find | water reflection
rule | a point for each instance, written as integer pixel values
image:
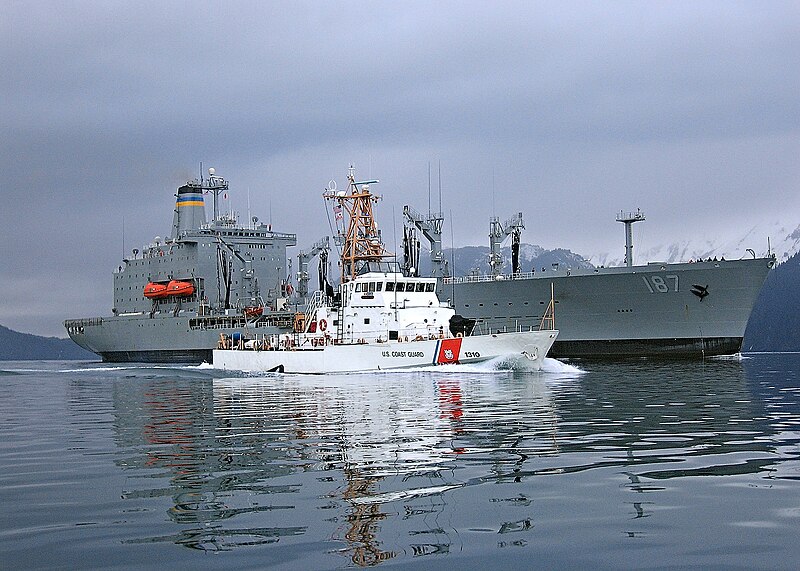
(380, 442)
(377, 467)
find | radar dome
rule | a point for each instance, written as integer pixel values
(212, 171)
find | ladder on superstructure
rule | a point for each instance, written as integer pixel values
(549, 318)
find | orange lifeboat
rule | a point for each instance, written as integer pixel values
(254, 311)
(155, 291)
(179, 289)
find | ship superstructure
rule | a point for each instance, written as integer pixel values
(173, 298)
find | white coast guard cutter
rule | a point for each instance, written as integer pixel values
(378, 319)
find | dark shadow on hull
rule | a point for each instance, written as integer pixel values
(594, 349)
(654, 348)
(185, 356)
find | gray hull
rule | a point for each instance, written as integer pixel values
(687, 309)
(608, 312)
(162, 338)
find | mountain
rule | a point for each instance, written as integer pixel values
(782, 238)
(468, 259)
(15, 346)
(779, 237)
(775, 322)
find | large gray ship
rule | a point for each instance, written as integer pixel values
(173, 299)
(696, 308)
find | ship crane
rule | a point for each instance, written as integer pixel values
(319, 247)
(431, 228)
(249, 280)
(498, 232)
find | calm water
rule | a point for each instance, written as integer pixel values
(628, 465)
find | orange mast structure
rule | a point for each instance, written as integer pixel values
(362, 240)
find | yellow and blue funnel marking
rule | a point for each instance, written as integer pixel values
(190, 199)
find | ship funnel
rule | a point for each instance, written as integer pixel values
(190, 212)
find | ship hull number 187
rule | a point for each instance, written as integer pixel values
(661, 284)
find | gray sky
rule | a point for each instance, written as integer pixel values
(568, 112)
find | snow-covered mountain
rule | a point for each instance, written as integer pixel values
(782, 238)
(467, 259)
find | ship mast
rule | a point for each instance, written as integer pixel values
(628, 220)
(362, 240)
(216, 185)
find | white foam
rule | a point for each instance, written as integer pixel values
(555, 366)
(404, 494)
(96, 369)
(143, 366)
(504, 363)
(735, 357)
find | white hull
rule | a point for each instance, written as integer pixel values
(532, 345)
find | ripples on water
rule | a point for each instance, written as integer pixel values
(639, 464)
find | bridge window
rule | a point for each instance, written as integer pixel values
(389, 286)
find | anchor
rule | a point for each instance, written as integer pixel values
(700, 291)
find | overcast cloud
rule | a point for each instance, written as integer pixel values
(567, 112)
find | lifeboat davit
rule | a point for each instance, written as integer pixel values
(179, 289)
(155, 291)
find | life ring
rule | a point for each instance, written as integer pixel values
(323, 325)
(459, 334)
